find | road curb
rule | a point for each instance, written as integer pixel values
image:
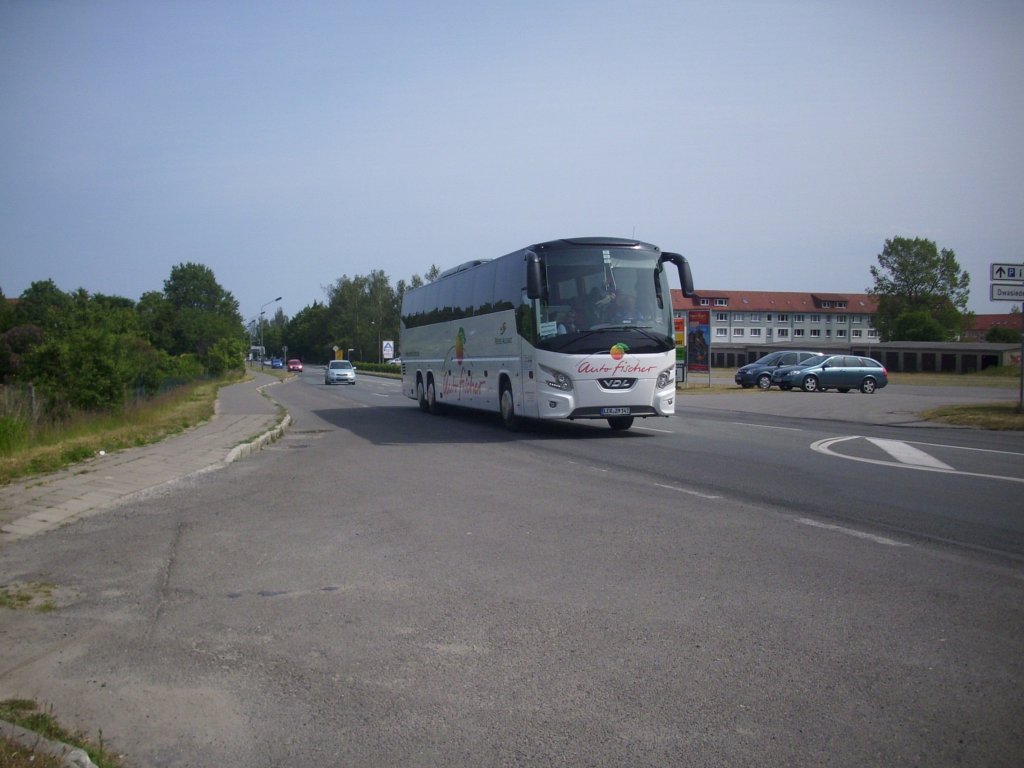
(70, 757)
(246, 449)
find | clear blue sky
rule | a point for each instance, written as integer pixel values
(285, 144)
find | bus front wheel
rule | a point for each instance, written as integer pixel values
(508, 409)
(620, 422)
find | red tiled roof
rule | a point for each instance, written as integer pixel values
(984, 323)
(777, 301)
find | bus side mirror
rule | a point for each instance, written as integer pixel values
(683, 267)
(534, 277)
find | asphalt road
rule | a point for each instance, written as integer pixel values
(385, 587)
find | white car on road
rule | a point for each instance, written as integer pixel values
(340, 370)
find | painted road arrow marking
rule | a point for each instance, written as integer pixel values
(905, 453)
(905, 456)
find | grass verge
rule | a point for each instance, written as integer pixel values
(27, 714)
(999, 416)
(86, 435)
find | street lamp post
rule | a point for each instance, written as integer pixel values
(263, 351)
(374, 323)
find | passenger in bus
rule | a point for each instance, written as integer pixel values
(578, 315)
(624, 309)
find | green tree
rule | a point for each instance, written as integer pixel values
(45, 305)
(913, 277)
(6, 313)
(203, 311)
(1000, 334)
(156, 319)
(307, 334)
(274, 333)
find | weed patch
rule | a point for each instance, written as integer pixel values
(33, 595)
(26, 713)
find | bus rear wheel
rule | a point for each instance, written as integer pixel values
(620, 422)
(508, 409)
(432, 405)
(421, 396)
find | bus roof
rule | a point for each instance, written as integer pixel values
(614, 242)
(568, 242)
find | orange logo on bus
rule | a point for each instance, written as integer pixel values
(618, 350)
(460, 346)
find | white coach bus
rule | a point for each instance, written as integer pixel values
(568, 329)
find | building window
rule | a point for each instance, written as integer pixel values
(755, 333)
(721, 317)
(798, 332)
(721, 302)
(755, 317)
(705, 302)
(840, 305)
(782, 318)
(872, 333)
(855, 319)
(724, 332)
(737, 331)
(826, 305)
(856, 333)
(840, 318)
(840, 333)
(815, 318)
(737, 317)
(815, 333)
(782, 333)
(798, 318)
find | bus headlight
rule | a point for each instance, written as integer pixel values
(666, 377)
(556, 379)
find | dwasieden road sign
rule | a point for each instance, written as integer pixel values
(1007, 273)
(1006, 292)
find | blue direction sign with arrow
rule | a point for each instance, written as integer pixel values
(1007, 273)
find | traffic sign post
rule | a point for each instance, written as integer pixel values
(1008, 285)
(1006, 273)
(1006, 292)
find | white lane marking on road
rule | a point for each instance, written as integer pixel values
(684, 490)
(588, 466)
(825, 447)
(908, 454)
(852, 532)
(654, 429)
(765, 426)
(967, 448)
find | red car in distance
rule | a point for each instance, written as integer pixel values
(295, 365)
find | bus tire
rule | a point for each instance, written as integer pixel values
(508, 408)
(620, 422)
(421, 395)
(433, 406)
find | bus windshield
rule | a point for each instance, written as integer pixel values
(594, 294)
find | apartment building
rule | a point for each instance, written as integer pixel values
(784, 318)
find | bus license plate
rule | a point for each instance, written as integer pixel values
(615, 411)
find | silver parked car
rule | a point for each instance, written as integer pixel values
(841, 372)
(340, 370)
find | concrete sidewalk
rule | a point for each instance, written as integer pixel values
(244, 420)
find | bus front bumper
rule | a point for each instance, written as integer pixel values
(562, 405)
